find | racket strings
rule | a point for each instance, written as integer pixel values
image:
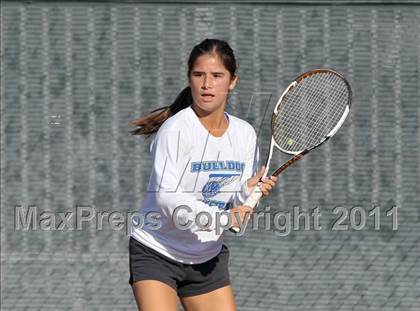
(320, 110)
(309, 111)
(306, 124)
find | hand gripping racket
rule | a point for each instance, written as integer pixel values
(308, 113)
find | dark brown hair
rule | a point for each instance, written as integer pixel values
(151, 122)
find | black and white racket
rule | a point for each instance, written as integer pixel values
(308, 113)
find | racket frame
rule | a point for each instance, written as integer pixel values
(256, 193)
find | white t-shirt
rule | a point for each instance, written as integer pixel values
(194, 172)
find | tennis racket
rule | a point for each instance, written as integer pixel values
(308, 113)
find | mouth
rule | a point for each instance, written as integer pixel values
(207, 96)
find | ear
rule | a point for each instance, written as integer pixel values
(233, 82)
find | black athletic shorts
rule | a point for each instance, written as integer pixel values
(187, 280)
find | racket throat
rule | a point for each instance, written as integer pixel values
(296, 158)
(268, 161)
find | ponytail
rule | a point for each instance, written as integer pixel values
(151, 122)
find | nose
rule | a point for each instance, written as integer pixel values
(206, 83)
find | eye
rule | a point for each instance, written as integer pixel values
(197, 74)
(218, 75)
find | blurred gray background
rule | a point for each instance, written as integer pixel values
(73, 74)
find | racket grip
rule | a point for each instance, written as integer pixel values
(251, 201)
(254, 197)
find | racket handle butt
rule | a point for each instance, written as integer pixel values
(235, 230)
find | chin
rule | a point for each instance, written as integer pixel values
(209, 107)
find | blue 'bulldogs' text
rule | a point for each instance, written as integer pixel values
(217, 166)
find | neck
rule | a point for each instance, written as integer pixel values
(215, 122)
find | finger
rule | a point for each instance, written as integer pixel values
(247, 210)
(244, 214)
(266, 186)
(265, 192)
(268, 181)
(270, 178)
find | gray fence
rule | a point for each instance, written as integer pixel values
(73, 74)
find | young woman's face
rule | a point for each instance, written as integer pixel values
(210, 83)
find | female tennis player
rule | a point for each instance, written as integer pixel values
(204, 166)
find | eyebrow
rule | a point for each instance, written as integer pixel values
(213, 72)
